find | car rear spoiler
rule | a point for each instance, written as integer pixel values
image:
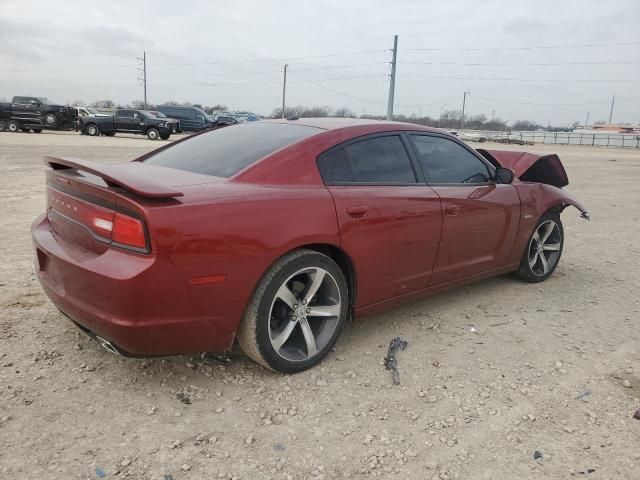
(530, 167)
(132, 176)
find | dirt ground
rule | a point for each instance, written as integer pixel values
(493, 372)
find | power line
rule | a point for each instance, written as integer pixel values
(516, 102)
(270, 60)
(536, 47)
(338, 92)
(478, 64)
(503, 79)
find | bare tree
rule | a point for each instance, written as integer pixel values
(103, 104)
(343, 112)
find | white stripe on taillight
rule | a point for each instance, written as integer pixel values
(103, 224)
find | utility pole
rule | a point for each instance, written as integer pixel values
(493, 116)
(464, 101)
(613, 101)
(143, 71)
(284, 88)
(392, 83)
(586, 122)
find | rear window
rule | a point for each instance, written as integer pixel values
(226, 151)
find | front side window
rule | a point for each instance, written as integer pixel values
(444, 161)
(380, 160)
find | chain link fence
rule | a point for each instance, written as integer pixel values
(619, 140)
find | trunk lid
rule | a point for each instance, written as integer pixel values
(87, 200)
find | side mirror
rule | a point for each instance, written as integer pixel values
(504, 175)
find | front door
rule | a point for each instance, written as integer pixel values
(480, 217)
(389, 223)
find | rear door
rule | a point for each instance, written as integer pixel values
(389, 221)
(480, 217)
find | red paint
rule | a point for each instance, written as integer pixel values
(208, 279)
(210, 239)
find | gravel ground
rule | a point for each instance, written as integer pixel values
(493, 372)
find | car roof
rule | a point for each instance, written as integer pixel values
(334, 123)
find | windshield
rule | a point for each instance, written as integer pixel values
(92, 111)
(226, 151)
(153, 113)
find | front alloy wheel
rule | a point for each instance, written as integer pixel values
(296, 313)
(543, 251)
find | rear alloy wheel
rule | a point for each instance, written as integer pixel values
(13, 126)
(153, 134)
(543, 251)
(296, 313)
(92, 130)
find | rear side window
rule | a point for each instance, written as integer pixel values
(226, 151)
(444, 161)
(377, 160)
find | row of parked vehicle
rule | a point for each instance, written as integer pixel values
(38, 113)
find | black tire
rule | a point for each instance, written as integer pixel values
(92, 130)
(165, 136)
(532, 267)
(254, 332)
(13, 126)
(51, 120)
(25, 129)
(37, 130)
(110, 134)
(3, 126)
(153, 134)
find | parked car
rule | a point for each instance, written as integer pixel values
(223, 119)
(276, 233)
(192, 119)
(140, 122)
(36, 114)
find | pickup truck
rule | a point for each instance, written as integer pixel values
(140, 122)
(35, 113)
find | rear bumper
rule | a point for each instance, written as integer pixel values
(143, 304)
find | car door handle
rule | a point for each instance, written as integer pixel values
(452, 209)
(357, 210)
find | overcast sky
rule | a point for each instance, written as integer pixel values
(232, 52)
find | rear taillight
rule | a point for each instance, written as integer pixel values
(128, 231)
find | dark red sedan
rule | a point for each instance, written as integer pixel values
(276, 233)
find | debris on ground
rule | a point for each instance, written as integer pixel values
(100, 473)
(537, 455)
(391, 362)
(637, 414)
(184, 398)
(218, 357)
(585, 392)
